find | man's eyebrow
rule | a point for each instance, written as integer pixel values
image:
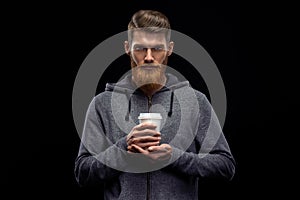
(149, 46)
(139, 45)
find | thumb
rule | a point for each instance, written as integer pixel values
(150, 148)
(153, 148)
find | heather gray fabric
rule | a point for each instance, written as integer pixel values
(200, 149)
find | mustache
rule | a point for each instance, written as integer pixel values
(151, 65)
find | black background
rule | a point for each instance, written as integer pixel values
(45, 44)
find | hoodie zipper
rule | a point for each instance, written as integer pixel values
(148, 173)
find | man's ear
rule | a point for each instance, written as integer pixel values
(170, 49)
(127, 47)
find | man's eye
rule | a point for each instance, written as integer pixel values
(139, 48)
(158, 48)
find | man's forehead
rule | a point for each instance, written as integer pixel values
(148, 37)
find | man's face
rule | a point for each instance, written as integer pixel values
(149, 56)
(148, 48)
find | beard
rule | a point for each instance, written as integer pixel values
(149, 77)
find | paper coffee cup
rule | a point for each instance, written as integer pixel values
(154, 118)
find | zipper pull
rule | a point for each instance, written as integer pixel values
(149, 102)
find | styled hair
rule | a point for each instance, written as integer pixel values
(149, 20)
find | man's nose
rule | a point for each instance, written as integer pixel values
(149, 56)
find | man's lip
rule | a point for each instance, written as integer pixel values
(149, 66)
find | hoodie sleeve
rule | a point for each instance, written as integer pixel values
(96, 151)
(214, 158)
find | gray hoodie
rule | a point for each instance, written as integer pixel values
(189, 125)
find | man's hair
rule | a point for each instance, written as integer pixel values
(149, 20)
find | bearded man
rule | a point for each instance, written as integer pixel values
(133, 160)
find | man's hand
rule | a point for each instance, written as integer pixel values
(155, 153)
(143, 136)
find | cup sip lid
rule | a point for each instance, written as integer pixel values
(150, 116)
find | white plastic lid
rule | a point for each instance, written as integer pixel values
(150, 116)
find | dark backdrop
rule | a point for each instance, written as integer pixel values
(46, 44)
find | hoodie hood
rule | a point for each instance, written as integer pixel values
(127, 87)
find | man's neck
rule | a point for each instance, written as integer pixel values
(148, 92)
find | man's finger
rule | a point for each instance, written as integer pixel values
(139, 149)
(157, 149)
(146, 139)
(145, 125)
(146, 132)
(147, 144)
(139, 141)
